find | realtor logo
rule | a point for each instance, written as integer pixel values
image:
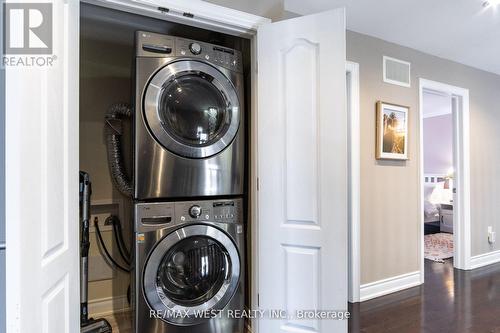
(27, 28)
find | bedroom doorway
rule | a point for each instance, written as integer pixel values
(444, 174)
(438, 176)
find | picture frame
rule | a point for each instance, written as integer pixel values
(392, 131)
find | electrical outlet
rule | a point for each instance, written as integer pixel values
(108, 221)
(491, 235)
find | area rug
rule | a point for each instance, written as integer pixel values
(438, 246)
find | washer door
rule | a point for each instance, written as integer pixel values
(192, 109)
(193, 269)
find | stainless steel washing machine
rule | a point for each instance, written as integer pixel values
(189, 267)
(189, 119)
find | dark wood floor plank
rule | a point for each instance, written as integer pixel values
(450, 301)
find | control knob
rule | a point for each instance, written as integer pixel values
(195, 211)
(195, 48)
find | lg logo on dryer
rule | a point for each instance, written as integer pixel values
(28, 28)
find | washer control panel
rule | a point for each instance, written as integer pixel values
(228, 211)
(159, 215)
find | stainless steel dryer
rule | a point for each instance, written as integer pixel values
(189, 257)
(189, 121)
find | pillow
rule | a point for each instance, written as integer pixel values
(428, 191)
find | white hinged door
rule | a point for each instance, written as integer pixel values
(302, 169)
(42, 176)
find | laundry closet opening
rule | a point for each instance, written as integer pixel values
(217, 96)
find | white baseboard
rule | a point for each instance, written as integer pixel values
(485, 259)
(109, 305)
(389, 285)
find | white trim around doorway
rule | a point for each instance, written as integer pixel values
(461, 215)
(352, 79)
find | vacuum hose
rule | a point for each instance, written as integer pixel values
(114, 130)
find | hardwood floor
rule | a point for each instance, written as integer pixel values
(450, 301)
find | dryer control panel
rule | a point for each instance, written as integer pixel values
(151, 44)
(218, 55)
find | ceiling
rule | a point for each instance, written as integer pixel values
(459, 30)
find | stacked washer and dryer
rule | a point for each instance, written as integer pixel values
(189, 167)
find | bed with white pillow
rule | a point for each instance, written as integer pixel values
(432, 184)
(435, 195)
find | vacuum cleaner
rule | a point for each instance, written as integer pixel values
(87, 325)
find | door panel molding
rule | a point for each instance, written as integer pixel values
(300, 100)
(302, 167)
(42, 181)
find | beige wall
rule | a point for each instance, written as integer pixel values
(390, 227)
(389, 190)
(104, 79)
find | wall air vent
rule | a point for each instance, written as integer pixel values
(397, 72)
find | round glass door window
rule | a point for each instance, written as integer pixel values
(193, 271)
(192, 109)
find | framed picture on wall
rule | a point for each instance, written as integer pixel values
(392, 131)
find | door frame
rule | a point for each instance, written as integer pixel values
(461, 146)
(354, 155)
(194, 13)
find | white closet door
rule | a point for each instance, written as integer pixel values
(42, 182)
(302, 157)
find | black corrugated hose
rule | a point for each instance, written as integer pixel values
(114, 131)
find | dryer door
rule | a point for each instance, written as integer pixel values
(192, 109)
(193, 269)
